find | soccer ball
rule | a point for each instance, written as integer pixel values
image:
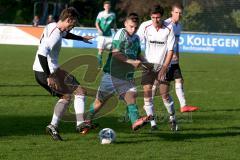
(107, 136)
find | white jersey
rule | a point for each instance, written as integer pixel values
(50, 45)
(157, 42)
(177, 32)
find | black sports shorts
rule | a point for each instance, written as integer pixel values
(67, 83)
(174, 72)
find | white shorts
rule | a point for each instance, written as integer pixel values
(110, 85)
(104, 42)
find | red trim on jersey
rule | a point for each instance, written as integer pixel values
(147, 27)
(52, 31)
(154, 27)
(167, 27)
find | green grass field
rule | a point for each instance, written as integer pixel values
(211, 82)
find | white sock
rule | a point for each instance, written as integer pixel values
(79, 104)
(169, 104)
(55, 120)
(172, 117)
(148, 107)
(59, 110)
(180, 94)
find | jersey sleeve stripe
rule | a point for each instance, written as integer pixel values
(167, 27)
(120, 34)
(147, 27)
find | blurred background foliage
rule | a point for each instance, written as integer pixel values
(199, 15)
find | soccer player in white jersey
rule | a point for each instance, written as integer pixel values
(174, 73)
(159, 42)
(49, 75)
(124, 57)
(104, 22)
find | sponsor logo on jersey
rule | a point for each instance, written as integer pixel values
(157, 42)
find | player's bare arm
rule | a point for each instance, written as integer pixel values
(123, 58)
(144, 63)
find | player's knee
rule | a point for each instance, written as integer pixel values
(168, 99)
(164, 90)
(130, 98)
(165, 95)
(147, 92)
(64, 101)
(80, 91)
(66, 97)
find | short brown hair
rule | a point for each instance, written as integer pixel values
(133, 17)
(177, 5)
(157, 9)
(107, 2)
(70, 13)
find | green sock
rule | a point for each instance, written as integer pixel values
(133, 112)
(91, 113)
(99, 57)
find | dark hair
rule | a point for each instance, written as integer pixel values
(133, 17)
(70, 13)
(177, 5)
(157, 9)
(107, 2)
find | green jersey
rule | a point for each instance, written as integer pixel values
(128, 46)
(105, 21)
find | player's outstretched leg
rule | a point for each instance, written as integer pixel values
(137, 121)
(59, 110)
(53, 131)
(140, 122)
(79, 105)
(87, 125)
(148, 107)
(84, 127)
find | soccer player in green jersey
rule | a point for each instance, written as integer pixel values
(118, 74)
(104, 22)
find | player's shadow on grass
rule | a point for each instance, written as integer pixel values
(222, 110)
(194, 133)
(132, 141)
(208, 118)
(23, 125)
(35, 125)
(188, 137)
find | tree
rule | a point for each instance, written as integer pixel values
(141, 7)
(190, 19)
(236, 17)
